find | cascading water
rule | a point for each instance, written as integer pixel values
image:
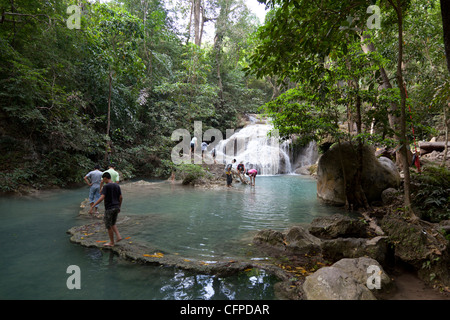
(253, 146)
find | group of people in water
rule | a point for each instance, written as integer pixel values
(104, 186)
(228, 169)
(240, 171)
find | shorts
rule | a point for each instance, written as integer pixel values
(110, 217)
(94, 194)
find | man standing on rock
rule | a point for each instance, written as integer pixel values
(112, 195)
(93, 179)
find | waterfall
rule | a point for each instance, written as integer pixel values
(256, 149)
(306, 156)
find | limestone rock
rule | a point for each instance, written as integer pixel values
(420, 244)
(377, 174)
(348, 279)
(270, 238)
(299, 240)
(359, 270)
(340, 248)
(337, 225)
(332, 283)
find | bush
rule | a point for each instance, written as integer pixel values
(190, 173)
(431, 193)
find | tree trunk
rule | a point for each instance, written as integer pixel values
(446, 123)
(197, 12)
(108, 123)
(445, 11)
(427, 147)
(401, 84)
(190, 22)
(385, 84)
(221, 24)
(360, 200)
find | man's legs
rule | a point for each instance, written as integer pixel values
(91, 198)
(116, 231)
(110, 223)
(96, 197)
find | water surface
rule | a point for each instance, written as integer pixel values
(36, 250)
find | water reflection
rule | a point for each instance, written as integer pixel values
(253, 285)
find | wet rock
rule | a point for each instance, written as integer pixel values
(270, 238)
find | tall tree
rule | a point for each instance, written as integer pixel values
(445, 11)
(113, 33)
(398, 8)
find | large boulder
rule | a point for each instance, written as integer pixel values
(331, 283)
(421, 245)
(296, 240)
(270, 238)
(346, 237)
(377, 174)
(336, 226)
(335, 249)
(299, 240)
(348, 279)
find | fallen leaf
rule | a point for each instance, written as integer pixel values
(156, 255)
(101, 241)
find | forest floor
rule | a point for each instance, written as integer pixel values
(410, 287)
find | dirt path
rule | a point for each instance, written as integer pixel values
(410, 287)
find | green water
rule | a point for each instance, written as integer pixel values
(213, 224)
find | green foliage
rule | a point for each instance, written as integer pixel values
(189, 173)
(54, 88)
(431, 193)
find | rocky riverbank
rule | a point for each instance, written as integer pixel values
(334, 257)
(344, 248)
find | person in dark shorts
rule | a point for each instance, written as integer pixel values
(112, 195)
